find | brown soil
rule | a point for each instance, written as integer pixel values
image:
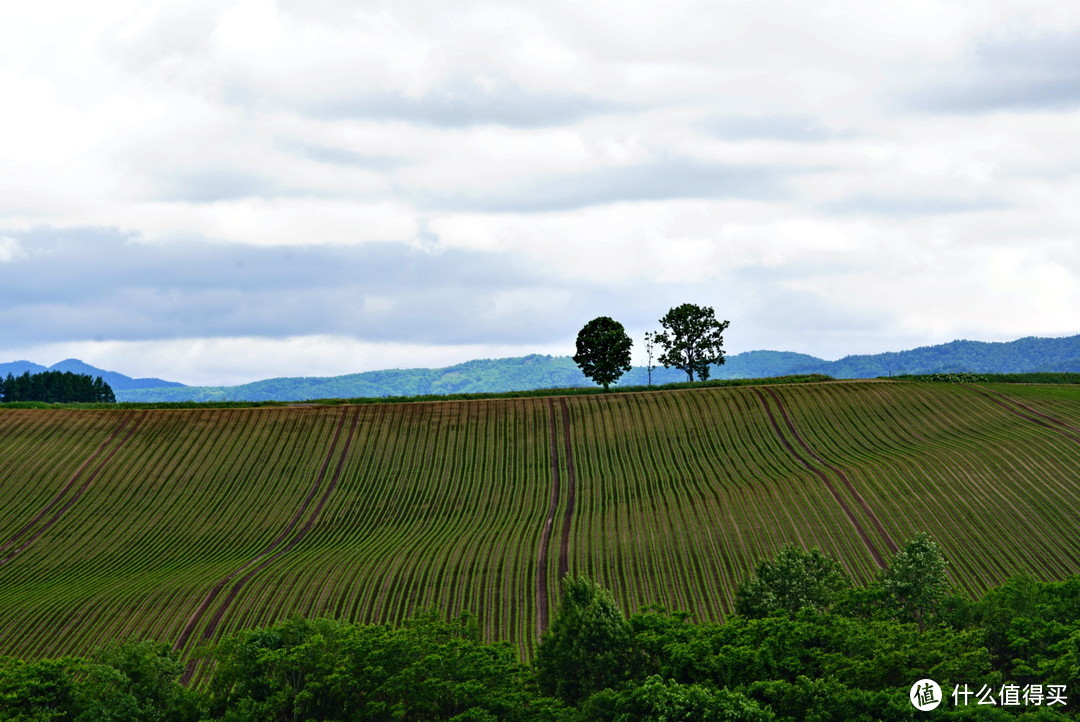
(545, 534)
(571, 484)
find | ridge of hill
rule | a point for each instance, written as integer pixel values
(117, 381)
(536, 371)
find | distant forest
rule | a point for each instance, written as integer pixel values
(1028, 355)
(53, 387)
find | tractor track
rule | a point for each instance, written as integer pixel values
(839, 472)
(67, 487)
(571, 486)
(819, 473)
(1032, 415)
(545, 533)
(271, 553)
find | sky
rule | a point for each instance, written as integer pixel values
(219, 192)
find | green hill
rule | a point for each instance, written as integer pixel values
(185, 525)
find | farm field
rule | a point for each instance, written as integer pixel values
(186, 525)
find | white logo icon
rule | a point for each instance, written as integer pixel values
(925, 695)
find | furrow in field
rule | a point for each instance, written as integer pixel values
(67, 487)
(843, 477)
(977, 481)
(215, 620)
(75, 497)
(197, 615)
(545, 534)
(825, 479)
(303, 531)
(571, 485)
(1029, 413)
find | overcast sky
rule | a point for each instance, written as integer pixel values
(217, 192)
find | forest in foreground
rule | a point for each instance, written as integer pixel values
(806, 644)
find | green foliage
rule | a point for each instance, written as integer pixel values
(956, 378)
(826, 700)
(35, 691)
(650, 352)
(653, 630)
(795, 580)
(50, 387)
(654, 666)
(603, 350)
(866, 654)
(135, 682)
(1019, 378)
(915, 582)
(128, 682)
(1032, 629)
(692, 339)
(658, 701)
(587, 647)
(322, 669)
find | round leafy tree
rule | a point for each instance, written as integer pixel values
(587, 647)
(795, 580)
(916, 581)
(603, 350)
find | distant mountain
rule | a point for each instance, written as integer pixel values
(538, 371)
(117, 381)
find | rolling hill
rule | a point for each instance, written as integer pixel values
(185, 525)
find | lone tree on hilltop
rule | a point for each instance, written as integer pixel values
(692, 339)
(603, 350)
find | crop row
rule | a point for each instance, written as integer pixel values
(372, 512)
(998, 491)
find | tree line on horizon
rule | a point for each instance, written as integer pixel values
(692, 339)
(56, 387)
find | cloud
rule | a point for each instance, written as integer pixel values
(794, 128)
(11, 250)
(227, 361)
(676, 178)
(494, 174)
(84, 283)
(1027, 73)
(469, 102)
(908, 206)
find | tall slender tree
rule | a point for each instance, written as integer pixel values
(650, 348)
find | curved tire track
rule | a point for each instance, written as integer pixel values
(268, 555)
(571, 485)
(824, 478)
(545, 533)
(67, 487)
(843, 477)
(1032, 415)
